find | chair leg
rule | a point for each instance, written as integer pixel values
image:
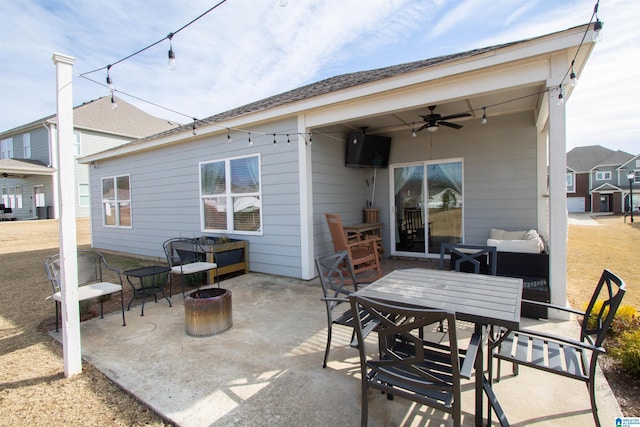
(122, 306)
(101, 309)
(57, 314)
(591, 385)
(326, 352)
(364, 415)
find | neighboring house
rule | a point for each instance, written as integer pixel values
(282, 159)
(597, 180)
(29, 155)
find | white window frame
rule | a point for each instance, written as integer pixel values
(84, 199)
(569, 178)
(26, 145)
(229, 196)
(18, 196)
(603, 176)
(116, 201)
(6, 148)
(77, 144)
(39, 196)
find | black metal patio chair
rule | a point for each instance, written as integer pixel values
(185, 257)
(572, 358)
(408, 366)
(331, 271)
(91, 281)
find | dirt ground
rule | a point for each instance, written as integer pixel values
(34, 391)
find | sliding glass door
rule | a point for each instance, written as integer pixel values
(428, 206)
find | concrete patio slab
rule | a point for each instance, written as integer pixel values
(267, 369)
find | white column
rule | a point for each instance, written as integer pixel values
(66, 196)
(306, 201)
(558, 228)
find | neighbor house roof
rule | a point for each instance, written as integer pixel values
(583, 159)
(20, 167)
(97, 115)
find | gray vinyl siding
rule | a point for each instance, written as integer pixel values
(499, 170)
(39, 145)
(165, 197)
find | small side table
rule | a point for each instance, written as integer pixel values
(152, 288)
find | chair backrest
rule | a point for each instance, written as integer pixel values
(401, 349)
(331, 271)
(90, 268)
(599, 313)
(413, 219)
(182, 250)
(470, 258)
(336, 229)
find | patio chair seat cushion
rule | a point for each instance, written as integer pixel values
(195, 267)
(93, 290)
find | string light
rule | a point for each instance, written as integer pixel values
(597, 26)
(114, 104)
(274, 139)
(413, 131)
(560, 95)
(172, 54)
(484, 115)
(194, 126)
(250, 142)
(288, 140)
(228, 137)
(109, 81)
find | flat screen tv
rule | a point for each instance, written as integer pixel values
(367, 151)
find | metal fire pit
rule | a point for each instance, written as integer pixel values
(207, 312)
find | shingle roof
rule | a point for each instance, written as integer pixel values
(333, 84)
(583, 159)
(126, 120)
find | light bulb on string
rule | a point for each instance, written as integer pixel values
(484, 115)
(574, 79)
(228, 137)
(288, 140)
(561, 96)
(274, 139)
(172, 54)
(413, 131)
(109, 81)
(250, 141)
(310, 138)
(597, 30)
(114, 104)
(194, 127)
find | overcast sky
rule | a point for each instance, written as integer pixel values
(246, 50)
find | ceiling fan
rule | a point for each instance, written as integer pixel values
(434, 120)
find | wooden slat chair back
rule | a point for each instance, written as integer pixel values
(407, 366)
(569, 357)
(362, 253)
(91, 281)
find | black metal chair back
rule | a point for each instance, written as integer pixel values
(408, 366)
(470, 258)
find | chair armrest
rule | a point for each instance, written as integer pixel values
(115, 270)
(570, 341)
(554, 306)
(470, 356)
(334, 299)
(364, 243)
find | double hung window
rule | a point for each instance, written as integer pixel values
(230, 195)
(116, 201)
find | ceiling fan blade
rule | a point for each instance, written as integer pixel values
(451, 125)
(422, 127)
(455, 116)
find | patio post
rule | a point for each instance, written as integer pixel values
(68, 243)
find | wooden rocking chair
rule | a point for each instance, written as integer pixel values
(362, 253)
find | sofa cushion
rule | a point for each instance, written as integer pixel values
(525, 241)
(532, 246)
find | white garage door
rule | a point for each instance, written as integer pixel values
(575, 204)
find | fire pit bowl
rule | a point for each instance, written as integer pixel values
(207, 312)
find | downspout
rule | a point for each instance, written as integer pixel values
(54, 163)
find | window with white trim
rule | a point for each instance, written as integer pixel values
(38, 195)
(569, 178)
(230, 195)
(77, 144)
(18, 197)
(26, 146)
(6, 148)
(83, 195)
(116, 201)
(603, 176)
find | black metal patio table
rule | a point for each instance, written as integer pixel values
(481, 299)
(152, 288)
